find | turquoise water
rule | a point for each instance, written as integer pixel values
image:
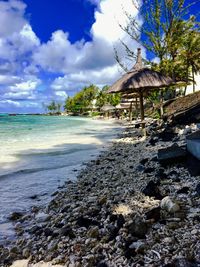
(40, 153)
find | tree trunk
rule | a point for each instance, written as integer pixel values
(185, 90)
(142, 109)
(193, 79)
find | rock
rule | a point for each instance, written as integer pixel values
(113, 232)
(153, 141)
(160, 174)
(67, 231)
(149, 170)
(113, 217)
(14, 250)
(34, 197)
(173, 225)
(42, 217)
(15, 216)
(167, 135)
(48, 232)
(169, 205)
(183, 190)
(153, 214)
(139, 246)
(144, 161)
(198, 189)
(120, 221)
(86, 222)
(65, 209)
(102, 200)
(171, 155)
(129, 252)
(182, 262)
(34, 229)
(102, 264)
(140, 168)
(138, 228)
(93, 232)
(168, 240)
(53, 245)
(152, 190)
(26, 253)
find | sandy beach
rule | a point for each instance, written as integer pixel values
(124, 210)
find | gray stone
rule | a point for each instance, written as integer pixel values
(138, 228)
(169, 205)
(172, 154)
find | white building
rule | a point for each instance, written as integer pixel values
(197, 85)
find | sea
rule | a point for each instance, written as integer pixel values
(38, 154)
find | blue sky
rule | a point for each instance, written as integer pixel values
(50, 49)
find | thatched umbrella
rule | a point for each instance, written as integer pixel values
(140, 80)
(126, 106)
(107, 107)
(133, 99)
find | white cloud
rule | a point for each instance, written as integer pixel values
(8, 79)
(11, 17)
(109, 17)
(30, 84)
(61, 94)
(10, 103)
(58, 54)
(81, 63)
(17, 95)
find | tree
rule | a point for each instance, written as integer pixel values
(82, 101)
(52, 107)
(105, 98)
(190, 55)
(58, 107)
(166, 23)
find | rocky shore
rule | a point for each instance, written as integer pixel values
(126, 209)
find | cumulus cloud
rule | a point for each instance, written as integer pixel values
(79, 64)
(58, 54)
(11, 17)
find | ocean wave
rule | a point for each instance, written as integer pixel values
(32, 170)
(57, 152)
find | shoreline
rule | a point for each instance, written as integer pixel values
(105, 219)
(31, 165)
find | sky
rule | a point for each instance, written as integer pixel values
(51, 49)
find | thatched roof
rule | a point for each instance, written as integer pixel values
(140, 78)
(107, 107)
(123, 106)
(183, 105)
(143, 79)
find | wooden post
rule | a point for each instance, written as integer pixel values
(142, 108)
(130, 112)
(161, 105)
(136, 107)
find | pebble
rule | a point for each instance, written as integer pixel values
(169, 205)
(124, 210)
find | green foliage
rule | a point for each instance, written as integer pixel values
(82, 101)
(54, 108)
(105, 98)
(95, 113)
(169, 33)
